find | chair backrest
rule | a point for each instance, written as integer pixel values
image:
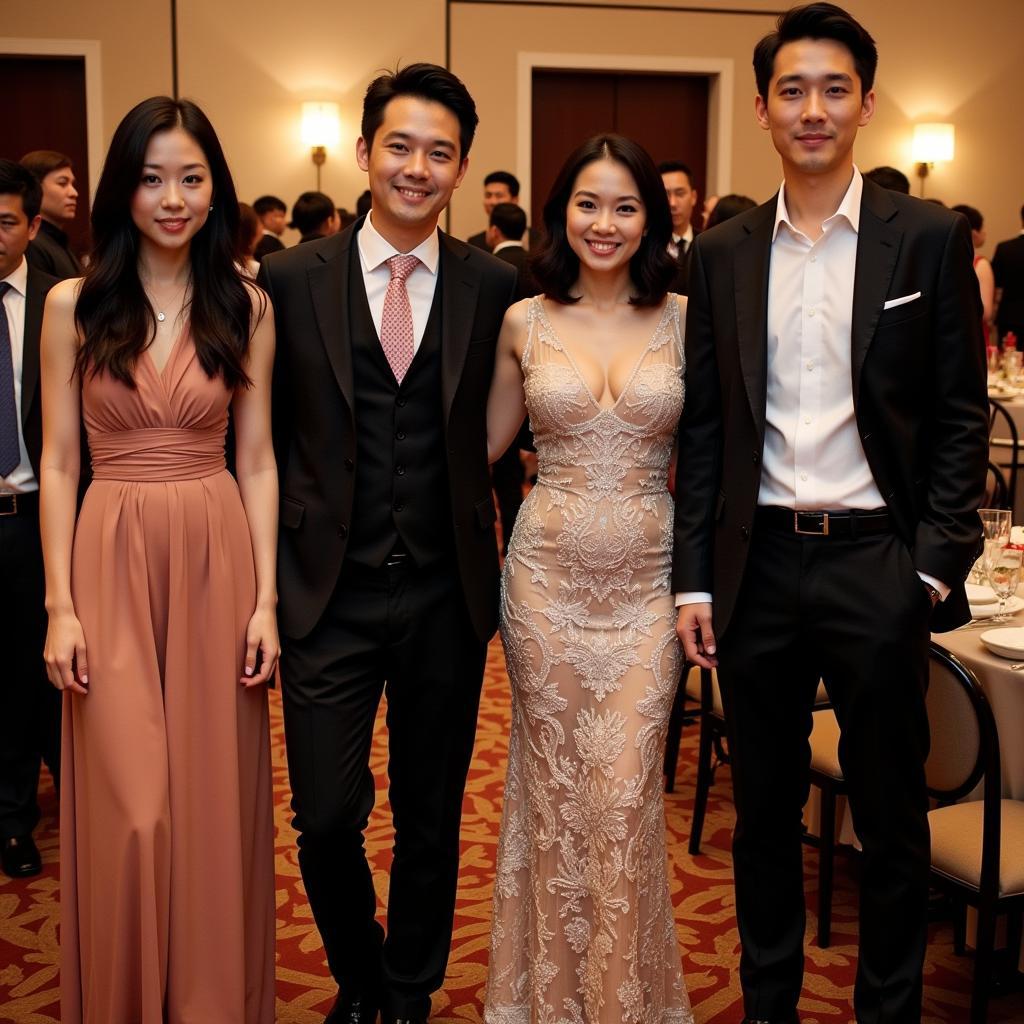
(1001, 426)
(964, 749)
(963, 731)
(997, 490)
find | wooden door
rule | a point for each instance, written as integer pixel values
(666, 113)
(48, 112)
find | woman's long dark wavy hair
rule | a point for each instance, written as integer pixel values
(556, 267)
(114, 317)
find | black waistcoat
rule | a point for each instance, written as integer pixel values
(401, 495)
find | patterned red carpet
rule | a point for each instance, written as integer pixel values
(702, 890)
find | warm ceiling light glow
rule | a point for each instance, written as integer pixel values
(933, 143)
(321, 124)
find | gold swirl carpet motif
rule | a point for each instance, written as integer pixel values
(701, 890)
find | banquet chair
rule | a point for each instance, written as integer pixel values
(1004, 447)
(977, 845)
(685, 711)
(702, 684)
(997, 490)
(827, 775)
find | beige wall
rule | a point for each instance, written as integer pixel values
(251, 63)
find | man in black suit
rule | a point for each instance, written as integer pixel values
(501, 187)
(1008, 268)
(50, 250)
(505, 240)
(682, 201)
(388, 566)
(273, 216)
(29, 706)
(832, 459)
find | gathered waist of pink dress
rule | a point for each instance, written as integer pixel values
(157, 454)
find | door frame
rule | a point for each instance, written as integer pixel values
(720, 71)
(90, 50)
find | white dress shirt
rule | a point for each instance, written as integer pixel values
(22, 479)
(686, 236)
(374, 252)
(813, 456)
(506, 245)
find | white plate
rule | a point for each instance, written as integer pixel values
(979, 595)
(1007, 642)
(986, 611)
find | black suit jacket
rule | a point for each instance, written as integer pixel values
(519, 258)
(918, 390)
(315, 419)
(1008, 268)
(49, 252)
(36, 289)
(479, 240)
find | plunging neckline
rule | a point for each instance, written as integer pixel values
(160, 371)
(613, 408)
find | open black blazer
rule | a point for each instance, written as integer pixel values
(918, 378)
(315, 419)
(36, 289)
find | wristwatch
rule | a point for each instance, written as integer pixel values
(933, 593)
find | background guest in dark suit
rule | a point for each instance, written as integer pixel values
(49, 251)
(1008, 268)
(682, 200)
(314, 216)
(890, 178)
(504, 238)
(273, 216)
(29, 706)
(501, 187)
(388, 567)
(832, 459)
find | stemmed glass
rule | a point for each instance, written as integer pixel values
(1002, 564)
(996, 525)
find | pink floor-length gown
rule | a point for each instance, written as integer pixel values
(167, 873)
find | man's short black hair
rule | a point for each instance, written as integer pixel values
(426, 82)
(890, 178)
(311, 209)
(503, 178)
(817, 21)
(269, 204)
(16, 180)
(510, 220)
(973, 215)
(676, 167)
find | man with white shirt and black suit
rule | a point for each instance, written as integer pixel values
(29, 706)
(388, 564)
(833, 452)
(682, 200)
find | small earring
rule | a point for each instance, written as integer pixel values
(211, 207)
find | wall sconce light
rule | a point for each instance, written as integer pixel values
(933, 143)
(321, 127)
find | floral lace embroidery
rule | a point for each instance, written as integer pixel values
(583, 926)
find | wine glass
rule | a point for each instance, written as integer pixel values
(1002, 564)
(995, 523)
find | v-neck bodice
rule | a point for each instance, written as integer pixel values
(170, 426)
(582, 444)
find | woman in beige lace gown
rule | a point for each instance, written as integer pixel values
(583, 929)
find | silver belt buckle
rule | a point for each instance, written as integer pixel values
(823, 532)
(8, 509)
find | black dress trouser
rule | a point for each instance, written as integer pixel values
(29, 705)
(405, 632)
(855, 613)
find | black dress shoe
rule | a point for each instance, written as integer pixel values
(352, 1009)
(405, 1020)
(20, 858)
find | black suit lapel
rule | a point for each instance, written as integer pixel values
(328, 288)
(35, 299)
(460, 284)
(878, 246)
(752, 260)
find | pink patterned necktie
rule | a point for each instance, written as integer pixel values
(396, 331)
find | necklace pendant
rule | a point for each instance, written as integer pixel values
(161, 316)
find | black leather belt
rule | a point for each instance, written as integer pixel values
(847, 525)
(19, 504)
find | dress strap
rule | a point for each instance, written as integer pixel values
(533, 316)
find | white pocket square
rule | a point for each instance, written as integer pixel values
(901, 301)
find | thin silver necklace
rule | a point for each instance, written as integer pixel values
(160, 314)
